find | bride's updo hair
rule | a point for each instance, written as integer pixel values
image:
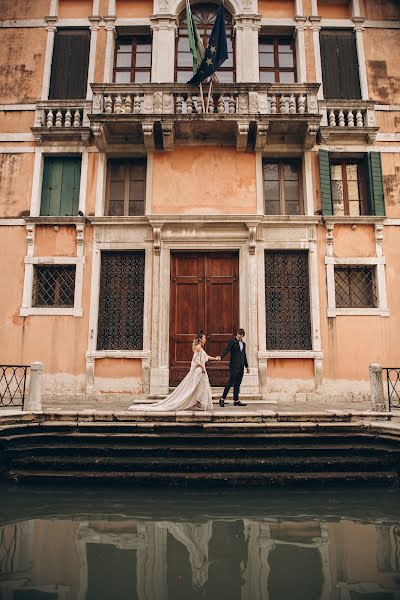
(197, 339)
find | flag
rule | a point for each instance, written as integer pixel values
(194, 38)
(216, 52)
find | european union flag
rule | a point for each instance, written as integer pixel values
(216, 52)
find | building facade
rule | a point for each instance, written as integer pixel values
(132, 216)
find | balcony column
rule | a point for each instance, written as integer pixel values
(109, 58)
(316, 27)
(247, 29)
(94, 27)
(359, 28)
(301, 49)
(165, 29)
(51, 32)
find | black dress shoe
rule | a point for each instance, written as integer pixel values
(238, 403)
(221, 402)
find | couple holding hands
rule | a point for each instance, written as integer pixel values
(194, 391)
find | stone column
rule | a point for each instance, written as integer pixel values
(34, 400)
(164, 27)
(51, 32)
(316, 27)
(359, 28)
(108, 62)
(94, 27)
(301, 49)
(251, 381)
(378, 402)
(247, 29)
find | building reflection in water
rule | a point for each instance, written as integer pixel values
(113, 557)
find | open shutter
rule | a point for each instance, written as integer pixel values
(348, 65)
(51, 187)
(70, 64)
(60, 66)
(69, 200)
(376, 199)
(330, 65)
(325, 182)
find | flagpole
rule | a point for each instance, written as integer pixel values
(209, 94)
(202, 97)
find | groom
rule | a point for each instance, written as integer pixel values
(237, 364)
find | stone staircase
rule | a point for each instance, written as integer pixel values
(257, 448)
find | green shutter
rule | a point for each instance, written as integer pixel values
(325, 182)
(60, 188)
(376, 200)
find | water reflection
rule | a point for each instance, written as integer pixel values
(95, 556)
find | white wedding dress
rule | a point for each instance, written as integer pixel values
(193, 389)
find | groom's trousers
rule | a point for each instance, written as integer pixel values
(235, 379)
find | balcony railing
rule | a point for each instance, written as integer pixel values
(62, 118)
(341, 118)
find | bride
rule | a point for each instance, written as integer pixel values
(194, 391)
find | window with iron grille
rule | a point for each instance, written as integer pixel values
(282, 187)
(277, 60)
(126, 187)
(54, 286)
(287, 300)
(121, 301)
(204, 15)
(133, 59)
(355, 287)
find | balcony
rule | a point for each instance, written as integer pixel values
(62, 121)
(348, 121)
(158, 116)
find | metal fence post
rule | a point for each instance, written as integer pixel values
(376, 384)
(34, 400)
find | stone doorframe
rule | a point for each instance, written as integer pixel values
(202, 234)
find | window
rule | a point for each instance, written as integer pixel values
(282, 187)
(69, 69)
(121, 301)
(126, 187)
(54, 286)
(204, 17)
(340, 73)
(348, 188)
(351, 186)
(355, 287)
(287, 300)
(277, 60)
(133, 59)
(61, 185)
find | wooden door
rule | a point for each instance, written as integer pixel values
(204, 296)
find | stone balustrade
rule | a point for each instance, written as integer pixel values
(343, 117)
(225, 99)
(62, 118)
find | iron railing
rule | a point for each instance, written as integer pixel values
(393, 386)
(13, 385)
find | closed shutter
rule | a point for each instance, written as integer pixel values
(325, 182)
(69, 68)
(339, 61)
(376, 198)
(61, 185)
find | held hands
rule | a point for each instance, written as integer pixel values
(247, 370)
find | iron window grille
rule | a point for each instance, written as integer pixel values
(54, 286)
(355, 287)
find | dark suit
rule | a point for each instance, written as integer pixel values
(237, 364)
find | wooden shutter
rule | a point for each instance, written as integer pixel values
(70, 64)
(376, 199)
(339, 60)
(330, 65)
(348, 65)
(60, 187)
(325, 182)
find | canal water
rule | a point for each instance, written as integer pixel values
(118, 543)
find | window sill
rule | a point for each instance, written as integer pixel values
(361, 312)
(50, 312)
(290, 354)
(143, 354)
(56, 220)
(347, 220)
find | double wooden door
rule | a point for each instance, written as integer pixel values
(204, 296)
